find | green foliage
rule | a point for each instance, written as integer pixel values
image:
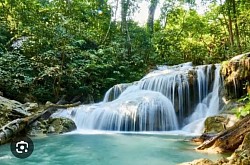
(186, 35)
(245, 110)
(75, 48)
(63, 53)
(15, 76)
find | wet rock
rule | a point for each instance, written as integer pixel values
(241, 156)
(38, 128)
(10, 110)
(215, 124)
(199, 162)
(31, 107)
(52, 126)
(51, 129)
(202, 138)
(61, 125)
(236, 76)
(222, 161)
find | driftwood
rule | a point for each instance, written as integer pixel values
(230, 139)
(11, 129)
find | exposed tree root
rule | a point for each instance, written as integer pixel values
(230, 139)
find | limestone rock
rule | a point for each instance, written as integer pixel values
(38, 128)
(199, 162)
(236, 76)
(61, 125)
(215, 124)
(31, 107)
(52, 126)
(242, 155)
(10, 110)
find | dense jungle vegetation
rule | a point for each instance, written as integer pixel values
(50, 48)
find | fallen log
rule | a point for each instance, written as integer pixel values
(11, 129)
(51, 108)
(230, 139)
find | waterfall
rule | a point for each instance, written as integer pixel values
(115, 91)
(140, 111)
(168, 98)
(209, 106)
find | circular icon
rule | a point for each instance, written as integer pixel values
(21, 147)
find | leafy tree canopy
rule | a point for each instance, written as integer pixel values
(50, 48)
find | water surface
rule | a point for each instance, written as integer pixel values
(107, 149)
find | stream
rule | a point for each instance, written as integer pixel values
(108, 148)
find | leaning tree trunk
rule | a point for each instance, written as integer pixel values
(230, 139)
(13, 128)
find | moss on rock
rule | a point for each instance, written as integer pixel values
(215, 124)
(10, 110)
(61, 125)
(52, 126)
(236, 74)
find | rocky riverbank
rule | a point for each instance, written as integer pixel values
(225, 133)
(11, 110)
(241, 156)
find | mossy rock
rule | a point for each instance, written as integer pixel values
(236, 76)
(199, 162)
(215, 124)
(242, 154)
(60, 125)
(10, 110)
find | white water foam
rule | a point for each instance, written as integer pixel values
(208, 107)
(164, 100)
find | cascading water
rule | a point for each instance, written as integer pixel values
(115, 91)
(207, 107)
(165, 99)
(140, 111)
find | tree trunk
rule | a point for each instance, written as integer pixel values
(124, 12)
(11, 129)
(230, 24)
(237, 34)
(151, 13)
(230, 139)
(124, 25)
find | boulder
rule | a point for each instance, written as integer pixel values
(215, 124)
(60, 125)
(241, 156)
(10, 110)
(52, 126)
(31, 107)
(199, 162)
(236, 76)
(38, 128)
